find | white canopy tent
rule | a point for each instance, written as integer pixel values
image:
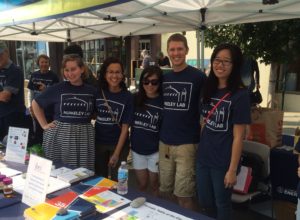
(140, 17)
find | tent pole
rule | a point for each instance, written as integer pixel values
(198, 48)
(202, 50)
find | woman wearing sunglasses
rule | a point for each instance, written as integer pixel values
(114, 114)
(145, 129)
(226, 111)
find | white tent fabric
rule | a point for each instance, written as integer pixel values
(140, 17)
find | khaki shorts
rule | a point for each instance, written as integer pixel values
(177, 167)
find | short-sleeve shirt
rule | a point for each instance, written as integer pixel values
(12, 80)
(71, 104)
(48, 79)
(164, 62)
(110, 119)
(146, 61)
(145, 127)
(217, 136)
(181, 115)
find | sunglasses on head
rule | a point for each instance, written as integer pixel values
(154, 82)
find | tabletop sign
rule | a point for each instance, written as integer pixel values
(37, 179)
(16, 144)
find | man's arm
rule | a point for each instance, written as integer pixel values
(5, 96)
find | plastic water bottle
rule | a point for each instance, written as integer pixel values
(122, 187)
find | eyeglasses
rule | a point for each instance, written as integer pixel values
(112, 72)
(224, 62)
(154, 82)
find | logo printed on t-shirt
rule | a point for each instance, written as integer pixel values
(148, 120)
(47, 82)
(2, 82)
(218, 121)
(105, 115)
(177, 95)
(76, 105)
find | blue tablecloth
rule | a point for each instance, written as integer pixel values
(15, 212)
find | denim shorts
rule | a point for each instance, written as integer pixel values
(177, 169)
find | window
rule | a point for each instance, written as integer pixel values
(27, 52)
(144, 44)
(288, 77)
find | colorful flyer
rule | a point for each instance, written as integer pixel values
(16, 144)
(107, 201)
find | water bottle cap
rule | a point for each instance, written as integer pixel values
(7, 181)
(123, 163)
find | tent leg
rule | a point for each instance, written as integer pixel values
(198, 48)
(202, 50)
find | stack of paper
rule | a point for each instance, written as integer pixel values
(9, 172)
(59, 171)
(45, 211)
(54, 184)
(75, 175)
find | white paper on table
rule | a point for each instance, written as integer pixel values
(2, 165)
(54, 184)
(16, 144)
(59, 171)
(9, 172)
(37, 179)
(146, 211)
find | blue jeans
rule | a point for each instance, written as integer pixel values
(214, 198)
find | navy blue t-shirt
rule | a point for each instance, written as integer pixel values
(72, 104)
(145, 127)
(12, 80)
(49, 79)
(181, 94)
(217, 136)
(121, 105)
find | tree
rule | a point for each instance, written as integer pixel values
(272, 41)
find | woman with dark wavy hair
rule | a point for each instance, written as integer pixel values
(114, 114)
(226, 112)
(145, 128)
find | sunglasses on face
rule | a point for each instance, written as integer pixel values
(154, 82)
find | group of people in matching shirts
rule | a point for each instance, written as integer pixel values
(171, 152)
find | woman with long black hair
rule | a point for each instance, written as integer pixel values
(226, 112)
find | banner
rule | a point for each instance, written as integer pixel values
(23, 11)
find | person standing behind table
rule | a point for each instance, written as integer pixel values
(76, 49)
(42, 78)
(163, 61)
(114, 106)
(250, 73)
(226, 112)
(147, 60)
(180, 128)
(38, 82)
(70, 138)
(12, 105)
(145, 129)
